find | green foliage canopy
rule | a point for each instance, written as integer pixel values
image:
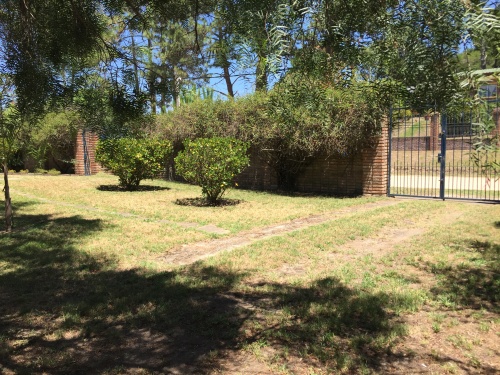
(212, 163)
(133, 160)
(296, 121)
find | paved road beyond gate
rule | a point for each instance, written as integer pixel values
(445, 155)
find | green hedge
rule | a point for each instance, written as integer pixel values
(133, 160)
(288, 127)
(212, 163)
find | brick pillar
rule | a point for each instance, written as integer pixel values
(90, 146)
(374, 162)
(496, 118)
(435, 143)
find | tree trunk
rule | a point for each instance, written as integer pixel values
(177, 90)
(227, 77)
(163, 103)
(152, 99)
(261, 75)
(136, 69)
(225, 66)
(152, 78)
(8, 203)
(483, 53)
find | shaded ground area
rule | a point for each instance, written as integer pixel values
(62, 311)
(139, 188)
(202, 202)
(413, 307)
(65, 312)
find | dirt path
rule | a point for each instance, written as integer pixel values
(191, 253)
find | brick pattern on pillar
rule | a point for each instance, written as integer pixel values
(435, 142)
(496, 118)
(374, 163)
(91, 143)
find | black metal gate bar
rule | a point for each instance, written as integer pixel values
(431, 155)
(86, 158)
(442, 158)
(465, 179)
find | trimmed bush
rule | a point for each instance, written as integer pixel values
(133, 160)
(212, 163)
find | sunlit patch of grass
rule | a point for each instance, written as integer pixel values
(255, 209)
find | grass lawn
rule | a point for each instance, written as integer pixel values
(412, 287)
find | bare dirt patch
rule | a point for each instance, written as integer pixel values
(191, 253)
(388, 238)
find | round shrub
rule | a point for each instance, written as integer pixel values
(212, 163)
(133, 160)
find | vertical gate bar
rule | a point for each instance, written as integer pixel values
(454, 166)
(470, 152)
(442, 174)
(464, 121)
(472, 168)
(413, 177)
(389, 158)
(86, 160)
(427, 134)
(405, 179)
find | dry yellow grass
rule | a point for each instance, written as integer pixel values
(256, 208)
(378, 291)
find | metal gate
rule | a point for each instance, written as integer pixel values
(453, 154)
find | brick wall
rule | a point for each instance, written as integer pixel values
(424, 143)
(374, 165)
(365, 173)
(459, 143)
(85, 144)
(411, 143)
(435, 141)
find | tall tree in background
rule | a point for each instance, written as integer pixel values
(223, 49)
(38, 37)
(418, 49)
(484, 34)
(9, 129)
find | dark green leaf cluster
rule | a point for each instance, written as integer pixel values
(54, 139)
(297, 121)
(417, 47)
(212, 163)
(133, 160)
(486, 146)
(205, 119)
(40, 36)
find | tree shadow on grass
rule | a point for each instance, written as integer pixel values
(64, 311)
(474, 285)
(202, 202)
(140, 188)
(20, 220)
(332, 324)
